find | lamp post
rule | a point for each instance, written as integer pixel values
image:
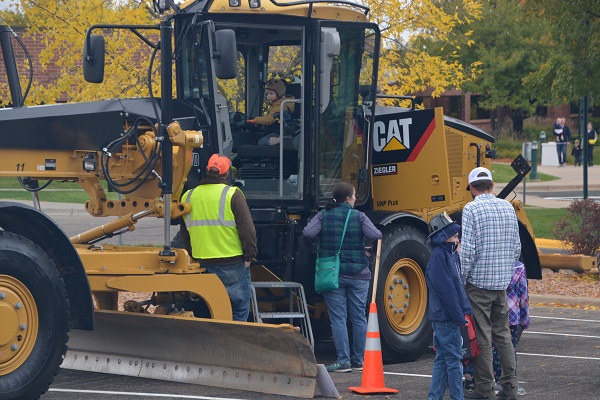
(585, 147)
(534, 157)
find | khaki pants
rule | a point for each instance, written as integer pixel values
(491, 323)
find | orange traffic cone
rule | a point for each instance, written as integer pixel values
(372, 376)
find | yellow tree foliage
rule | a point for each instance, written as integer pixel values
(410, 30)
(60, 26)
(407, 65)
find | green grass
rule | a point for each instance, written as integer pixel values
(543, 220)
(509, 148)
(503, 173)
(65, 192)
(13, 183)
(62, 196)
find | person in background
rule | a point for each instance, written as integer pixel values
(350, 299)
(517, 298)
(220, 233)
(489, 250)
(576, 153)
(448, 305)
(562, 136)
(592, 138)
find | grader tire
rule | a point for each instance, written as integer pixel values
(34, 311)
(405, 329)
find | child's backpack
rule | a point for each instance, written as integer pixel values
(470, 346)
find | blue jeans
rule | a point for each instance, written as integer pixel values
(447, 366)
(561, 150)
(349, 300)
(236, 279)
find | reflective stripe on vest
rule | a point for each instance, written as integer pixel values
(211, 222)
(212, 236)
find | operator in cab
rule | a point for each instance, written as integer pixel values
(220, 233)
(269, 123)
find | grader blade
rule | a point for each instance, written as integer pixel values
(257, 357)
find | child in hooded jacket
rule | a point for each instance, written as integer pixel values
(448, 305)
(275, 94)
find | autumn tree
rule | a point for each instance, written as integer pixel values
(409, 30)
(60, 27)
(573, 68)
(405, 66)
(512, 44)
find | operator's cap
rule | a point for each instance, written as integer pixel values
(479, 174)
(443, 222)
(220, 162)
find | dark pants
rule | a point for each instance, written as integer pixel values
(514, 337)
(561, 150)
(491, 322)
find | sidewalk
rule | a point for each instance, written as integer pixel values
(570, 179)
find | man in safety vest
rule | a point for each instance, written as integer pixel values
(221, 233)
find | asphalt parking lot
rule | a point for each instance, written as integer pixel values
(558, 358)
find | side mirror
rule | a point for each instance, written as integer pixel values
(329, 49)
(93, 59)
(225, 54)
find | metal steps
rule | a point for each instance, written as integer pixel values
(298, 309)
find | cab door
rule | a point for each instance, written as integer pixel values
(208, 43)
(346, 65)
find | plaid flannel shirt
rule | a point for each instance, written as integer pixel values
(490, 242)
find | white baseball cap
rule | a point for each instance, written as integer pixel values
(479, 174)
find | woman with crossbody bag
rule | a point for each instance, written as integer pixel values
(342, 230)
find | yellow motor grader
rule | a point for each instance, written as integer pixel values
(406, 165)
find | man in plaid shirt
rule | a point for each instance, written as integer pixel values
(490, 247)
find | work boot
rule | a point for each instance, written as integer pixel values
(508, 392)
(478, 396)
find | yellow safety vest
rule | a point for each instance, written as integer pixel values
(213, 233)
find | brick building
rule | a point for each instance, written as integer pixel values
(34, 46)
(463, 105)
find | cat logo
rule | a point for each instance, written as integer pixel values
(395, 137)
(400, 137)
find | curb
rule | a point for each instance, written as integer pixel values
(564, 300)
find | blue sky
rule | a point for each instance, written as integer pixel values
(5, 3)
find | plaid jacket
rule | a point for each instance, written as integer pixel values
(517, 298)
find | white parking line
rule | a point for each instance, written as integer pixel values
(558, 356)
(171, 396)
(565, 319)
(560, 334)
(403, 374)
